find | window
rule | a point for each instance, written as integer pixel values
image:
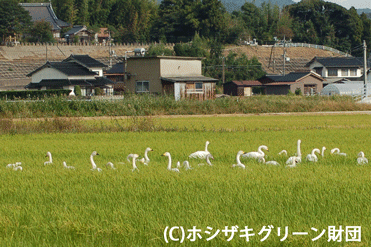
(142, 87)
(332, 72)
(198, 86)
(344, 72)
(353, 72)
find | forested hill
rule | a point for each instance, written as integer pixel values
(232, 5)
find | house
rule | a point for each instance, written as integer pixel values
(103, 36)
(45, 12)
(178, 76)
(116, 74)
(334, 68)
(241, 88)
(78, 33)
(309, 83)
(81, 70)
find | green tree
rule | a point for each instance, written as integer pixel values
(212, 19)
(41, 32)
(196, 48)
(14, 19)
(159, 50)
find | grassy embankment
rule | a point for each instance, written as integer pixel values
(49, 205)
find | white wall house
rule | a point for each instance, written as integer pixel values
(335, 68)
(80, 70)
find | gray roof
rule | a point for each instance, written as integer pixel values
(86, 61)
(348, 62)
(66, 68)
(118, 68)
(294, 76)
(97, 82)
(75, 30)
(44, 11)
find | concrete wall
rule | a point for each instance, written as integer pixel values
(144, 70)
(174, 67)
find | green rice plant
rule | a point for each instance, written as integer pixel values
(49, 205)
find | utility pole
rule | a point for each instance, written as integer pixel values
(284, 54)
(365, 67)
(223, 69)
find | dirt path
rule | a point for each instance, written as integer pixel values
(201, 116)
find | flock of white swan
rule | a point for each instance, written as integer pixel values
(206, 155)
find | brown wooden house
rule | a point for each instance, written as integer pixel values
(240, 88)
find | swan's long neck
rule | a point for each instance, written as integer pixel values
(261, 151)
(207, 144)
(169, 164)
(92, 162)
(238, 159)
(298, 149)
(146, 155)
(323, 152)
(50, 158)
(64, 164)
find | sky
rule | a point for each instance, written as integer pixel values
(358, 4)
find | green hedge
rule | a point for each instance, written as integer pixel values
(33, 94)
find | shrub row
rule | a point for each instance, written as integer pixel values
(33, 94)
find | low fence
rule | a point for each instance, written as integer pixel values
(321, 47)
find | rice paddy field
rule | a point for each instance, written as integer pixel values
(315, 204)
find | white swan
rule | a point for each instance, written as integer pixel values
(208, 157)
(16, 168)
(271, 162)
(66, 166)
(14, 165)
(294, 161)
(238, 156)
(146, 160)
(323, 152)
(186, 165)
(337, 152)
(200, 154)
(283, 152)
(49, 154)
(312, 157)
(130, 156)
(94, 166)
(169, 164)
(362, 160)
(256, 155)
(297, 158)
(135, 156)
(110, 164)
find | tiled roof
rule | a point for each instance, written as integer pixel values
(97, 82)
(118, 68)
(295, 76)
(274, 77)
(44, 11)
(69, 69)
(75, 30)
(198, 78)
(338, 61)
(85, 60)
(247, 83)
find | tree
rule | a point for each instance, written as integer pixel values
(14, 19)
(159, 50)
(212, 19)
(196, 48)
(41, 32)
